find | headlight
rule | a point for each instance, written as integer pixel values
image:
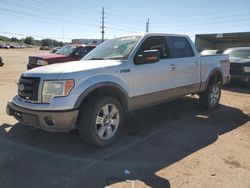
(246, 69)
(41, 62)
(58, 88)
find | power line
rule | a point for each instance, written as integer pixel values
(48, 8)
(51, 5)
(117, 17)
(115, 12)
(61, 20)
(45, 17)
(202, 20)
(208, 23)
(203, 15)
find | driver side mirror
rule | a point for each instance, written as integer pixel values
(147, 57)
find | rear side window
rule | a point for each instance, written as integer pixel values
(179, 47)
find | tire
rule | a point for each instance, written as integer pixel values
(210, 98)
(100, 120)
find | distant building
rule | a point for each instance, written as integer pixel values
(87, 41)
(222, 41)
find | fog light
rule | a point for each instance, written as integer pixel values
(49, 121)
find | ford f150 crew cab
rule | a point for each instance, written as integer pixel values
(119, 76)
(67, 53)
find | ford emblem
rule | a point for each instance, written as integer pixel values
(21, 87)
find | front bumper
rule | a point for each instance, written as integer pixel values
(241, 78)
(54, 121)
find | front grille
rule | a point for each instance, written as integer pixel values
(32, 60)
(236, 68)
(28, 88)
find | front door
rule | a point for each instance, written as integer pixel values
(151, 81)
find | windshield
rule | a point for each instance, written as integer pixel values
(118, 48)
(243, 53)
(66, 50)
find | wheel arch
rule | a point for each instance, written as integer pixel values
(105, 89)
(216, 73)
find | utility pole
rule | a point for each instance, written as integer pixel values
(147, 26)
(102, 27)
(63, 34)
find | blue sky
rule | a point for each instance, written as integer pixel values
(60, 19)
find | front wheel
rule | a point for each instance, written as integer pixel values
(100, 120)
(211, 97)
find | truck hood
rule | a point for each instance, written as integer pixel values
(49, 56)
(73, 66)
(238, 60)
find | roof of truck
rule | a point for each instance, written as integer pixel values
(153, 34)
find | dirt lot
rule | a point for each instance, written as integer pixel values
(177, 144)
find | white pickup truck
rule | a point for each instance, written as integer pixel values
(120, 75)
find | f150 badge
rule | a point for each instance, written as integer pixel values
(125, 70)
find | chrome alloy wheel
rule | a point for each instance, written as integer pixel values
(107, 121)
(214, 95)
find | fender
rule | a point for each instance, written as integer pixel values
(204, 85)
(101, 84)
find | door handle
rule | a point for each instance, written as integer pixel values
(196, 64)
(173, 67)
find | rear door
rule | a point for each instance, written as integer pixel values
(185, 64)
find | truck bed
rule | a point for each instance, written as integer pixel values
(209, 62)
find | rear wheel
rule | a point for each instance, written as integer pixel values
(211, 97)
(100, 120)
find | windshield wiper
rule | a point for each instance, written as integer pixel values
(98, 58)
(116, 58)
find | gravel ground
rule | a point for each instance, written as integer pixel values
(177, 144)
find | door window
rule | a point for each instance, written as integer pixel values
(179, 47)
(155, 43)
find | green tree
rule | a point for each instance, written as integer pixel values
(47, 42)
(29, 40)
(14, 39)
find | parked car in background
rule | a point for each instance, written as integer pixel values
(239, 64)
(4, 46)
(54, 50)
(211, 52)
(45, 48)
(1, 61)
(72, 52)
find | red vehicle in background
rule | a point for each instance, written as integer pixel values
(67, 53)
